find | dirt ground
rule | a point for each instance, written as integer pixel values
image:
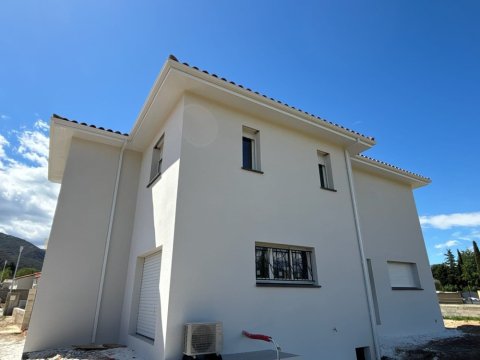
(12, 341)
(464, 347)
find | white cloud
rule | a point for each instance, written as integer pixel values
(473, 234)
(27, 198)
(4, 117)
(448, 221)
(3, 144)
(34, 147)
(41, 125)
(447, 244)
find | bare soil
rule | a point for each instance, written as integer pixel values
(12, 341)
(464, 347)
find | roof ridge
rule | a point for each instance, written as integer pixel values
(88, 125)
(174, 58)
(393, 166)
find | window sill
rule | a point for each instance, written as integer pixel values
(328, 189)
(143, 338)
(253, 170)
(286, 284)
(406, 288)
(154, 179)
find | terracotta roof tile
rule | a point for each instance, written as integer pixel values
(172, 57)
(88, 125)
(394, 167)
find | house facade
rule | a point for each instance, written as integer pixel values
(26, 282)
(223, 205)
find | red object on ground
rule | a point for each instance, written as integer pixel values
(257, 336)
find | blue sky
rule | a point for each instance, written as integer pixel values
(405, 72)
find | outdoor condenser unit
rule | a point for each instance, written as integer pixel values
(203, 338)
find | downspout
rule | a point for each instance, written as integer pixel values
(107, 243)
(366, 281)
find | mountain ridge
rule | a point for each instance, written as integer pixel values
(32, 256)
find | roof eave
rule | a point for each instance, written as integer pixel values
(184, 78)
(414, 180)
(61, 134)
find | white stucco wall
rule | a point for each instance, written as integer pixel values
(64, 309)
(154, 226)
(205, 215)
(391, 232)
(24, 282)
(223, 210)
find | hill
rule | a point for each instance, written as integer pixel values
(32, 256)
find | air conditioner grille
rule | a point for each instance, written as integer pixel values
(203, 338)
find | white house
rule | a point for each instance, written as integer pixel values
(224, 205)
(26, 282)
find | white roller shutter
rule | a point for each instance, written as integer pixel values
(149, 296)
(403, 275)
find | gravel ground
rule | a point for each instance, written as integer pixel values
(461, 341)
(12, 341)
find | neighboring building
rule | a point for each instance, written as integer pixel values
(6, 284)
(26, 282)
(225, 205)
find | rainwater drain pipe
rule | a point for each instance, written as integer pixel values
(107, 243)
(362, 253)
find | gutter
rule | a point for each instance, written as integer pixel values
(366, 281)
(107, 243)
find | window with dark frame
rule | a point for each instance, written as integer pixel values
(325, 170)
(157, 159)
(284, 264)
(248, 152)
(250, 149)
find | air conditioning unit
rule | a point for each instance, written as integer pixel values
(203, 339)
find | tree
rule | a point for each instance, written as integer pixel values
(469, 270)
(26, 271)
(5, 275)
(477, 256)
(460, 279)
(440, 273)
(476, 253)
(451, 265)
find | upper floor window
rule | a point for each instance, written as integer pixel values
(325, 170)
(403, 275)
(157, 159)
(250, 149)
(283, 264)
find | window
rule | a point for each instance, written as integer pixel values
(403, 275)
(250, 149)
(149, 296)
(284, 264)
(325, 170)
(157, 158)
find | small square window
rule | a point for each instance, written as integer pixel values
(403, 275)
(157, 159)
(325, 170)
(277, 264)
(250, 149)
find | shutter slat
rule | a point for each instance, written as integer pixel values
(149, 296)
